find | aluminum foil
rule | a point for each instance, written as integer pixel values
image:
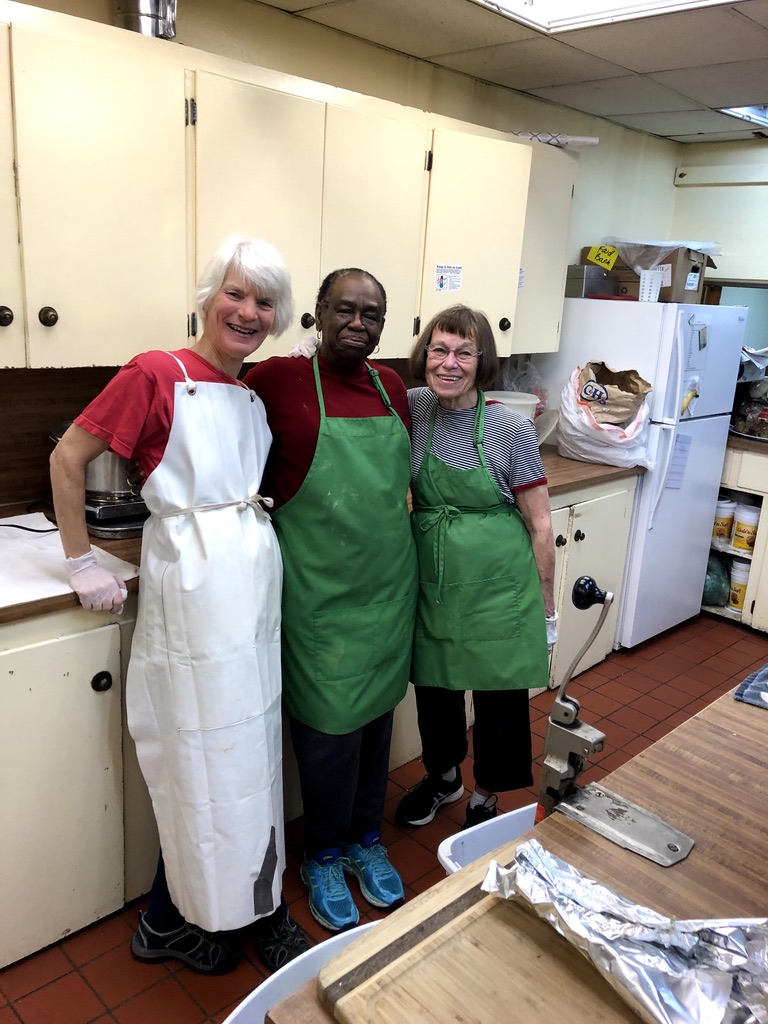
(672, 971)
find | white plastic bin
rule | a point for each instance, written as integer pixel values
(461, 849)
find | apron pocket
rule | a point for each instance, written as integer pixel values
(489, 610)
(352, 642)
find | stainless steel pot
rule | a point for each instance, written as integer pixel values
(106, 478)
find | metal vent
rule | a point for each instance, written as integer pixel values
(148, 17)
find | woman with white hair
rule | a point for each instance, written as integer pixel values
(203, 687)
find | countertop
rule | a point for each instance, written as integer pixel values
(563, 475)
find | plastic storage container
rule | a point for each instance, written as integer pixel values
(520, 401)
(745, 519)
(723, 524)
(457, 851)
(739, 579)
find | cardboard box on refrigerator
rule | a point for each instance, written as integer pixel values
(683, 268)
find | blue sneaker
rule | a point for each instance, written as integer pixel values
(379, 882)
(330, 900)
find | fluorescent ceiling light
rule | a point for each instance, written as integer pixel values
(756, 115)
(552, 16)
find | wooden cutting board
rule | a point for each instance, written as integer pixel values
(477, 960)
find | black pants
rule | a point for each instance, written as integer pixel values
(501, 735)
(343, 782)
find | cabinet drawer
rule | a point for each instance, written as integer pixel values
(753, 472)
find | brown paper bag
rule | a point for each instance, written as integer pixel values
(613, 396)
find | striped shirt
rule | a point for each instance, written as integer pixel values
(509, 441)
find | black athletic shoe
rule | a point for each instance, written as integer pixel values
(420, 804)
(483, 812)
(201, 951)
(278, 944)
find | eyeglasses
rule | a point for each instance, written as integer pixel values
(463, 355)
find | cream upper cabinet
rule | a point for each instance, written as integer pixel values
(543, 268)
(102, 196)
(61, 859)
(11, 303)
(374, 205)
(475, 222)
(259, 173)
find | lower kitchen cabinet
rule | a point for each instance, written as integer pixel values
(69, 812)
(591, 537)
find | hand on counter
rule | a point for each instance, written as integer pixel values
(99, 590)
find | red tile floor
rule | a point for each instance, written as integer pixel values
(634, 697)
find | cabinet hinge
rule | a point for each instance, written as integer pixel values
(428, 161)
(416, 325)
(752, 609)
(191, 325)
(190, 112)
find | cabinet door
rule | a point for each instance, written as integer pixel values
(101, 166)
(11, 304)
(374, 206)
(544, 265)
(61, 802)
(561, 529)
(597, 547)
(475, 220)
(259, 156)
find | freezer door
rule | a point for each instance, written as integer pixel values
(672, 528)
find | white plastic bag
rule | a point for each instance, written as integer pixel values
(581, 437)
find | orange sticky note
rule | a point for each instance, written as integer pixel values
(603, 255)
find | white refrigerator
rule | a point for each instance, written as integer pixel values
(690, 354)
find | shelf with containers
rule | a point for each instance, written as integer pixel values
(745, 483)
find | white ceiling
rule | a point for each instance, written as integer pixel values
(665, 75)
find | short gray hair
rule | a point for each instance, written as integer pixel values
(257, 262)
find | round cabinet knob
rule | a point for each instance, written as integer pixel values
(307, 321)
(504, 324)
(48, 316)
(101, 682)
(579, 535)
(6, 316)
(560, 541)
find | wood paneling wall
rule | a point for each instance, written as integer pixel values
(34, 401)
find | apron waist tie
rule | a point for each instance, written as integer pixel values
(241, 505)
(439, 517)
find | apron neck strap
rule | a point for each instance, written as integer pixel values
(477, 427)
(374, 377)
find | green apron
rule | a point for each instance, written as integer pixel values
(480, 619)
(350, 574)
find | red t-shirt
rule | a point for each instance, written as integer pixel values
(287, 387)
(134, 412)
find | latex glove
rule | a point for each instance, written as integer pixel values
(98, 589)
(306, 347)
(551, 621)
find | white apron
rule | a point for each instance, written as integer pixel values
(203, 685)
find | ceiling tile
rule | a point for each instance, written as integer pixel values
(630, 94)
(292, 6)
(755, 10)
(421, 28)
(725, 85)
(691, 39)
(714, 137)
(531, 64)
(683, 122)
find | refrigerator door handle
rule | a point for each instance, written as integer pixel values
(670, 409)
(662, 469)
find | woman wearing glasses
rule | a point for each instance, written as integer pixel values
(486, 614)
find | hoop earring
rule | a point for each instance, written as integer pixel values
(318, 331)
(375, 350)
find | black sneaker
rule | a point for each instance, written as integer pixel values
(483, 812)
(419, 805)
(279, 943)
(201, 951)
